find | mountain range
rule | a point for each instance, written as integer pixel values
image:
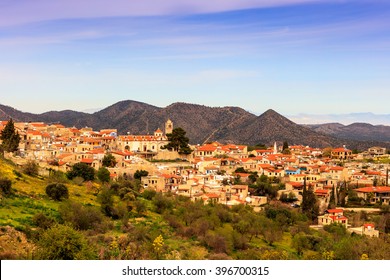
(346, 119)
(206, 124)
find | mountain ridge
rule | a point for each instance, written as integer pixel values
(229, 124)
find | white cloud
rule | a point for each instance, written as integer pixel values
(19, 12)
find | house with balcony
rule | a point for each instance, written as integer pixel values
(341, 153)
(379, 194)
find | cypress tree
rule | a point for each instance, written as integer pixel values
(309, 202)
(10, 138)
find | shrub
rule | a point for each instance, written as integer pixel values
(31, 168)
(140, 173)
(57, 191)
(149, 194)
(162, 203)
(81, 170)
(5, 187)
(103, 175)
(82, 217)
(62, 242)
(42, 221)
(57, 177)
(140, 207)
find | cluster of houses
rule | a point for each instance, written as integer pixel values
(209, 172)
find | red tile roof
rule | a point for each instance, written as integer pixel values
(212, 195)
(342, 149)
(374, 190)
(333, 211)
(337, 168)
(369, 225)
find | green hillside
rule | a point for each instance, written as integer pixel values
(116, 221)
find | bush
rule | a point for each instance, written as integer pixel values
(57, 177)
(5, 187)
(31, 168)
(82, 217)
(140, 173)
(103, 175)
(57, 192)
(162, 203)
(81, 170)
(42, 221)
(149, 194)
(63, 243)
(140, 207)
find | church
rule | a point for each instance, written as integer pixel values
(145, 144)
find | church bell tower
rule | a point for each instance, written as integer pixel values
(168, 127)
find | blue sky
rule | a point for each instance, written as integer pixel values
(294, 56)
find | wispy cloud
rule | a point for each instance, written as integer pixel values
(24, 11)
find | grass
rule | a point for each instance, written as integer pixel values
(18, 211)
(30, 197)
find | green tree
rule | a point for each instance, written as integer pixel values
(140, 173)
(82, 170)
(178, 141)
(10, 138)
(109, 161)
(309, 204)
(240, 170)
(107, 203)
(57, 191)
(103, 175)
(62, 242)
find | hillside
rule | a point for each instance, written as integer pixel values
(355, 131)
(204, 124)
(156, 226)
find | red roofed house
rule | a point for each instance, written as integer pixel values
(366, 229)
(333, 216)
(211, 198)
(375, 194)
(341, 153)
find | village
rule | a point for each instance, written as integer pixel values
(213, 172)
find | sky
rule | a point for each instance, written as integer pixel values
(294, 56)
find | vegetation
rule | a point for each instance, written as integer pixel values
(82, 170)
(140, 173)
(257, 147)
(10, 138)
(309, 204)
(103, 175)
(109, 160)
(57, 191)
(178, 141)
(62, 242)
(31, 168)
(123, 223)
(5, 187)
